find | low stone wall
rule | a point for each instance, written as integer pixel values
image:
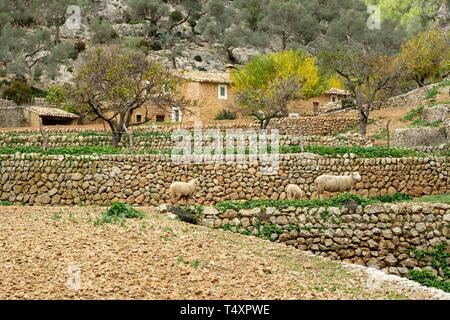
(309, 126)
(100, 180)
(382, 236)
(163, 142)
(11, 116)
(413, 98)
(420, 137)
(436, 113)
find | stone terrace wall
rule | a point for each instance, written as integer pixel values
(11, 116)
(413, 98)
(378, 235)
(418, 137)
(37, 179)
(158, 143)
(309, 126)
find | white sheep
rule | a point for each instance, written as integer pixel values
(294, 192)
(184, 190)
(336, 183)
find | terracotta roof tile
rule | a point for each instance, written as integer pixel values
(203, 76)
(51, 112)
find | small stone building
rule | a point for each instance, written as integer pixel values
(328, 101)
(50, 116)
(12, 116)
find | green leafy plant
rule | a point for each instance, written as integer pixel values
(118, 213)
(226, 115)
(439, 261)
(5, 203)
(333, 202)
(195, 264)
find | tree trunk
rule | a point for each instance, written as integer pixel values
(174, 63)
(420, 81)
(57, 32)
(116, 137)
(44, 134)
(264, 123)
(363, 119)
(388, 134)
(284, 40)
(130, 139)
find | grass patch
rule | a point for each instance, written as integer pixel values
(5, 203)
(440, 198)
(333, 202)
(118, 213)
(363, 152)
(433, 92)
(381, 135)
(74, 151)
(414, 114)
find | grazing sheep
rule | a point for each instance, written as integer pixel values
(184, 190)
(336, 183)
(294, 192)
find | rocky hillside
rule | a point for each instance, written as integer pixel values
(43, 40)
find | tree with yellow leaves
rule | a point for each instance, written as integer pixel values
(424, 56)
(265, 86)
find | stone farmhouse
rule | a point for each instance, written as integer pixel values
(212, 91)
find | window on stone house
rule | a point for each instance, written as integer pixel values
(223, 92)
(138, 118)
(334, 98)
(176, 115)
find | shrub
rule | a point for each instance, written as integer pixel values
(347, 103)
(18, 91)
(103, 31)
(156, 46)
(176, 16)
(118, 212)
(80, 46)
(226, 115)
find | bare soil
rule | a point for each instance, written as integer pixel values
(157, 258)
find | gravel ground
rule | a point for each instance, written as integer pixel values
(156, 258)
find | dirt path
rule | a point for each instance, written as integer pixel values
(156, 258)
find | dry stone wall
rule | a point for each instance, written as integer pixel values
(162, 142)
(382, 236)
(145, 180)
(11, 116)
(308, 126)
(420, 137)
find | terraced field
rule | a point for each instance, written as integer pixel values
(156, 258)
